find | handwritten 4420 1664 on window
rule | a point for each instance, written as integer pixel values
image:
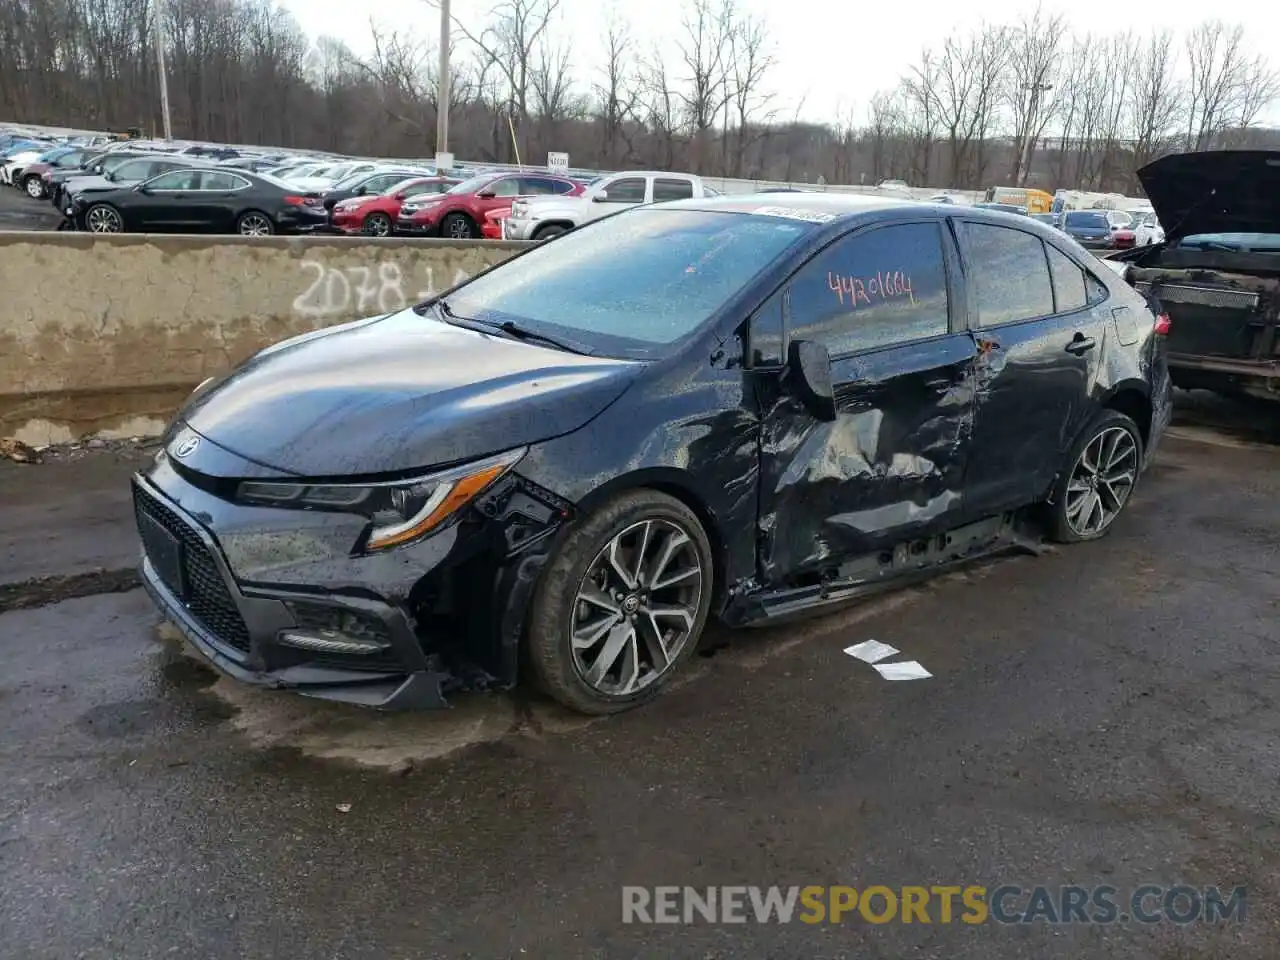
(867, 290)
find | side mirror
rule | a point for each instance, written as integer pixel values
(486, 194)
(808, 374)
(142, 189)
(361, 191)
(601, 197)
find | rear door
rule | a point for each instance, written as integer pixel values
(891, 466)
(1038, 319)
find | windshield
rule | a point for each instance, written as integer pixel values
(1087, 221)
(1266, 242)
(472, 185)
(633, 284)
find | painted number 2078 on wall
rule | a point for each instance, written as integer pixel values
(359, 291)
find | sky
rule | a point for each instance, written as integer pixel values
(832, 55)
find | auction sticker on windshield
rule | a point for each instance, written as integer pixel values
(811, 216)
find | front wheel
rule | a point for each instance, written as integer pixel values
(103, 218)
(377, 225)
(1102, 470)
(547, 233)
(35, 188)
(621, 604)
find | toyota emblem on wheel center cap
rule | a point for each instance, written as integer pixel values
(186, 447)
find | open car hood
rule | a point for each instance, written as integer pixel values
(1217, 191)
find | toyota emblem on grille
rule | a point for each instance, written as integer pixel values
(186, 447)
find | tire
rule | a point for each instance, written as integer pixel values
(621, 623)
(1112, 445)
(547, 233)
(255, 223)
(377, 225)
(34, 187)
(458, 226)
(103, 218)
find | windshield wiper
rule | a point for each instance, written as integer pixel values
(512, 329)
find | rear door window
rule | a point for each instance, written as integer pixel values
(670, 189)
(1009, 273)
(878, 288)
(538, 186)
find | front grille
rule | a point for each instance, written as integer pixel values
(206, 593)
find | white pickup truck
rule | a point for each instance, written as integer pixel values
(541, 218)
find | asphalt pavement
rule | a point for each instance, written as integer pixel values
(20, 212)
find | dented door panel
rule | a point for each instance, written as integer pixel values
(889, 467)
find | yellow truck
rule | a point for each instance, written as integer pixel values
(1034, 201)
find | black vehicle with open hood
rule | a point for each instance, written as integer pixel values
(738, 407)
(1217, 274)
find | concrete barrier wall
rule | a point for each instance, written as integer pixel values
(107, 335)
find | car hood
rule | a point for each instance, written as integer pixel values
(400, 393)
(81, 184)
(1219, 191)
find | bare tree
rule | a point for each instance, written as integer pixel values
(921, 114)
(617, 92)
(750, 58)
(1155, 99)
(1035, 52)
(964, 86)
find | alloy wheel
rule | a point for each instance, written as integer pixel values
(34, 189)
(255, 225)
(636, 607)
(459, 229)
(1101, 481)
(377, 226)
(104, 220)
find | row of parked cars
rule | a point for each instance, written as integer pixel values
(141, 187)
(1098, 229)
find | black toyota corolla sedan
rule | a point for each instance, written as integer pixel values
(742, 407)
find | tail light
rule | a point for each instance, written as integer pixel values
(303, 201)
(1163, 325)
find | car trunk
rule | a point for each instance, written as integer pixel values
(1218, 274)
(1224, 310)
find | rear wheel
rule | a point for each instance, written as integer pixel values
(621, 604)
(1095, 486)
(458, 226)
(255, 224)
(103, 218)
(377, 225)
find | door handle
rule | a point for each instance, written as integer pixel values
(1080, 344)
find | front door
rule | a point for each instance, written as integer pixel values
(1039, 342)
(890, 467)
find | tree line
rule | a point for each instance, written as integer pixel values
(1025, 103)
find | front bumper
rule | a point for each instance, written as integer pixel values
(513, 229)
(446, 612)
(417, 226)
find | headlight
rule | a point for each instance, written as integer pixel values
(399, 511)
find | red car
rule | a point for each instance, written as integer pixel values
(491, 229)
(375, 216)
(1124, 239)
(460, 213)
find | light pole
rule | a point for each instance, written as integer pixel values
(442, 105)
(1025, 162)
(164, 73)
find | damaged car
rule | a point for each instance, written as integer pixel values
(735, 408)
(1216, 272)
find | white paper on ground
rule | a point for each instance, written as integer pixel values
(869, 651)
(907, 670)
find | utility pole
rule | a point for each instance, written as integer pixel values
(1029, 138)
(164, 73)
(442, 106)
